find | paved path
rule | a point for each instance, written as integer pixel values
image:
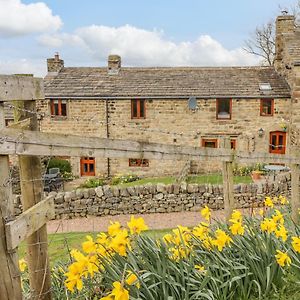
(154, 221)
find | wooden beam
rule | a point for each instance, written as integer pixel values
(37, 243)
(24, 142)
(10, 280)
(28, 222)
(227, 172)
(295, 196)
(16, 87)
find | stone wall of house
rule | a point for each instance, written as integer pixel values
(159, 198)
(168, 122)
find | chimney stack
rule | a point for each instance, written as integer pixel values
(54, 65)
(285, 24)
(114, 64)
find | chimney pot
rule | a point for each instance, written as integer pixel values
(114, 64)
(54, 65)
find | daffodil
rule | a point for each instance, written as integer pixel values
(237, 228)
(120, 242)
(136, 226)
(132, 279)
(236, 216)
(282, 258)
(22, 265)
(201, 269)
(201, 231)
(281, 233)
(206, 213)
(119, 291)
(278, 217)
(114, 228)
(296, 243)
(283, 200)
(89, 246)
(222, 239)
(269, 202)
(268, 225)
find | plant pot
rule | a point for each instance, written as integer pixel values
(256, 175)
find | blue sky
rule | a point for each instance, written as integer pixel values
(144, 32)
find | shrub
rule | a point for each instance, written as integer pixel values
(63, 165)
(119, 179)
(93, 183)
(247, 170)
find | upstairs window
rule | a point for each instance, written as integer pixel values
(266, 107)
(138, 109)
(210, 143)
(224, 109)
(58, 107)
(138, 162)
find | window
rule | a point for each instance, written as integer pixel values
(233, 144)
(87, 166)
(266, 107)
(138, 109)
(224, 109)
(138, 162)
(277, 142)
(58, 107)
(210, 143)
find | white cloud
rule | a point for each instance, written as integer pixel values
(17, 18)
(23, 66)
(139, 47)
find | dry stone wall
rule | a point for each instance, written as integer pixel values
(159, 198)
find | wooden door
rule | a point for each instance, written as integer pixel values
(277, 142)
(87, 166)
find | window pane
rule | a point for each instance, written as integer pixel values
(223, 108)
(85, 168)
(134, 109)
(63, 109)
(273, 142)
(56, 112)
(210, 144)
(280, 141)
(92, 168)
(142, 108)
(267, 106)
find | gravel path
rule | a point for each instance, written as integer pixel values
(154, 221)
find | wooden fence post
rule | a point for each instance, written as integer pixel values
(37, 243)
(10, 283)
(227, 172)
(295, 197)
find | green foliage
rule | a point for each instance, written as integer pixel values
(63, 165)
(247, 170)
(93, 183)
(121, 179)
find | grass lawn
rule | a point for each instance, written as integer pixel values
(200, 179)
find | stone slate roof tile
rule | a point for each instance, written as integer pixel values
(177, 82)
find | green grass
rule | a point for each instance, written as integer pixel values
(200, 179)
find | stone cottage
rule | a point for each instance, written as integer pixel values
(256, 107)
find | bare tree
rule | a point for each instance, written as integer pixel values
(262, 41)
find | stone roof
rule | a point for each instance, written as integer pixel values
(176, 82)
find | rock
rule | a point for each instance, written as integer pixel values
(131, 191)
(159, 196)
(161, 188)
(192, 188)
(99, 191)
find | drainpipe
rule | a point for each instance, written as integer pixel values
(107, 135)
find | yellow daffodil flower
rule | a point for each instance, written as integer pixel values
(282, 258)
(120, 242)
(278, 217)
(236, 216)
(206, 213)
(132, 279)
(269, 202)
(22, 265)
(268, 225)
(283, 200)
(136, 226)
(119, 291)
(114, 228)
(221, 239)
(89, 246)
(296, 243)
(281, 233)
(237, 228)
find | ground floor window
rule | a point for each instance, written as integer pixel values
(210, 143)
(233, 144)
(277, 142)
(138, 162)
(87, 166)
